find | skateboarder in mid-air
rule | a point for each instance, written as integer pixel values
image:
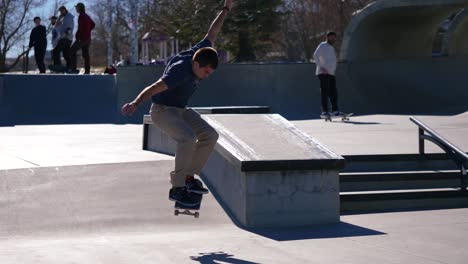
(170, 94)
(326, 61)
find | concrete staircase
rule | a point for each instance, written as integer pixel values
(400, 182)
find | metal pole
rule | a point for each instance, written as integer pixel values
(134, 31)
(110, 54)
(421, 141)
(24, 60)
(463, 178)
(161, 57)
(165, 52)
(173, 52)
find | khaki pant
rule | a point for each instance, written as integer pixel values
(194, 136)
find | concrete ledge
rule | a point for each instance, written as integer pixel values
(156, 140)
(290, 180)
(265, 171)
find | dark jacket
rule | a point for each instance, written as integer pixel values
(85, 25)
(38, 37)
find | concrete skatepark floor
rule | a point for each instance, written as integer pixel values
(385, 134)
(88, 194)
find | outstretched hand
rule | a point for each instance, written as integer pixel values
(129, 109)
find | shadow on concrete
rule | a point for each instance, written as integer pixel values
(337, 230)
(212, 258)
(362, 123)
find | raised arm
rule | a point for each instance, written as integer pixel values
(217, 24)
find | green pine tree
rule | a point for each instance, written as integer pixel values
(251, 26)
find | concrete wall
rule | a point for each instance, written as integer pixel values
(289, 89)
(5, 115)
(416, 86)
(396, 29)
(57, 99)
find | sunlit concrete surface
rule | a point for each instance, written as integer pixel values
(119, 213)
(111, 206)
(385, 134)
(60, 145)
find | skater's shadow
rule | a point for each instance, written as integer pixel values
(216, 257)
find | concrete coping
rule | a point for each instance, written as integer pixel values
(222, 110)
(274, 145)
(233, 110)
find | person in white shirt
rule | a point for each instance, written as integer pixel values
(326, 61)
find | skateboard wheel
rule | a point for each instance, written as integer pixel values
(197, 215)
(176, 212)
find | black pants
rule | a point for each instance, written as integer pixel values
(84, 46)
(329, 92)
(39, 54)
(63, 46)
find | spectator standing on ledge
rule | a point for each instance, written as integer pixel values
(55, 36)
(64, 28)
(38, 40)
(82, 39)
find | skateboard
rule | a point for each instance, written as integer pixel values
(180, 209)
(329, 118)
(57, 68)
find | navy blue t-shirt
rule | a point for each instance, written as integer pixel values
(179, 78)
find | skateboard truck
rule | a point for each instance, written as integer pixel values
(180, 209)
(186, 212)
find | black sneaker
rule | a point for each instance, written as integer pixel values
(180, 195)
(337, 113)
(195, 186)
(69, 71)
(324, 115)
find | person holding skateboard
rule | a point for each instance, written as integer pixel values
(326, 61)
(170, 94)
(64, 27)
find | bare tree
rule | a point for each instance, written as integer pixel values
(308, 21)
(14, 16)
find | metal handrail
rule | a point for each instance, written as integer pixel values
(455, 153)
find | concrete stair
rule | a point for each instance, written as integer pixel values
(403, 182)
